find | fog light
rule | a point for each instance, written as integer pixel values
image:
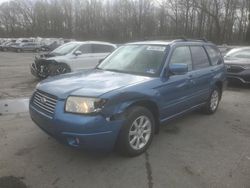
(77, 140)
(73, 141)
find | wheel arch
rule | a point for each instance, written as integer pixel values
(66, 64)
(219, 84)
(152, 107)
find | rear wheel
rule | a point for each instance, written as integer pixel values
(213, 101)
(137, 133)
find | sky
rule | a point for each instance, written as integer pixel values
(1, 1)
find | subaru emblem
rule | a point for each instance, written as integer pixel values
(43, 100)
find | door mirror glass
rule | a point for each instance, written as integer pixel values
(78, 52)
(178, 68)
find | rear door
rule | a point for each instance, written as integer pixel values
(26, 47)
(31, 47)
(201, 76)
(100, 51)
(91, 55)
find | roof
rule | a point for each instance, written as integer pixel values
(92, 42)
(156, 42)
(168, 42)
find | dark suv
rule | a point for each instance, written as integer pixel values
(123, 101)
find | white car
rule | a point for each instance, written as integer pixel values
(70, 57)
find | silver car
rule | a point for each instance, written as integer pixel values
(71, 57)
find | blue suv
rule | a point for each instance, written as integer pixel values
(122, 102)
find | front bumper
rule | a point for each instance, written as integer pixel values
(243, 76)
(35, 72)
(79, 131)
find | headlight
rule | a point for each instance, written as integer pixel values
(246, 66)
(84, 105)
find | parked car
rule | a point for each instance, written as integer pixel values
(26, 46)
(71, 57)
(123, 101)
(238, 64)
(6, 46)
(224, 49)
(3, 46)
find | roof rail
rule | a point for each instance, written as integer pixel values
(180, 38)
(191, 40)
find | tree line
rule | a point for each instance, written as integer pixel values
(221, 21)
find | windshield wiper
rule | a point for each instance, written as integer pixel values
(113, 70)
(98, 68)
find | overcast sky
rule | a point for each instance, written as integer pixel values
(3, 1)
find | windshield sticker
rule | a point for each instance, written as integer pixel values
(157, 48)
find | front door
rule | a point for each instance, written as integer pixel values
(175, 91)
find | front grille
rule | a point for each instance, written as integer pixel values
(235, 69)
(44, 102)
(43, 66)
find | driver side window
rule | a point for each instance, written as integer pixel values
(182, 55)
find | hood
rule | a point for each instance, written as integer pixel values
(91, 83)
(47, 55)
(237, 61)
(60, 58)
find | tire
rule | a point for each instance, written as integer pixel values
(133, 132)
(18, 50)
(60, 68)
(213, 101)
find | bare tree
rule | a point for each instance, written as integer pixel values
(124, 20)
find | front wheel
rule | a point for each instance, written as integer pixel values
(59, 69)
(137, 133)
(213, 101)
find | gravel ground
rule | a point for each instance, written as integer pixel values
(193, 151)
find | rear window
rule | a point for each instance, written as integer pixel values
(214, 55)
(200, 58)
(99, 48)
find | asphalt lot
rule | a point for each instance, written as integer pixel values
(193, 151)
(16, 79)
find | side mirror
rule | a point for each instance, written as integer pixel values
(220, 61)
(178, 68)
(100, 61)
(78, 52)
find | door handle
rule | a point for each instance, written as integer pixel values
(192, 81)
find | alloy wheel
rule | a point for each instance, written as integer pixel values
(214, 101)
(140, 132)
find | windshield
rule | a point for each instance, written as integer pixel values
(65, 49)
(136, 59)
(238, 54)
